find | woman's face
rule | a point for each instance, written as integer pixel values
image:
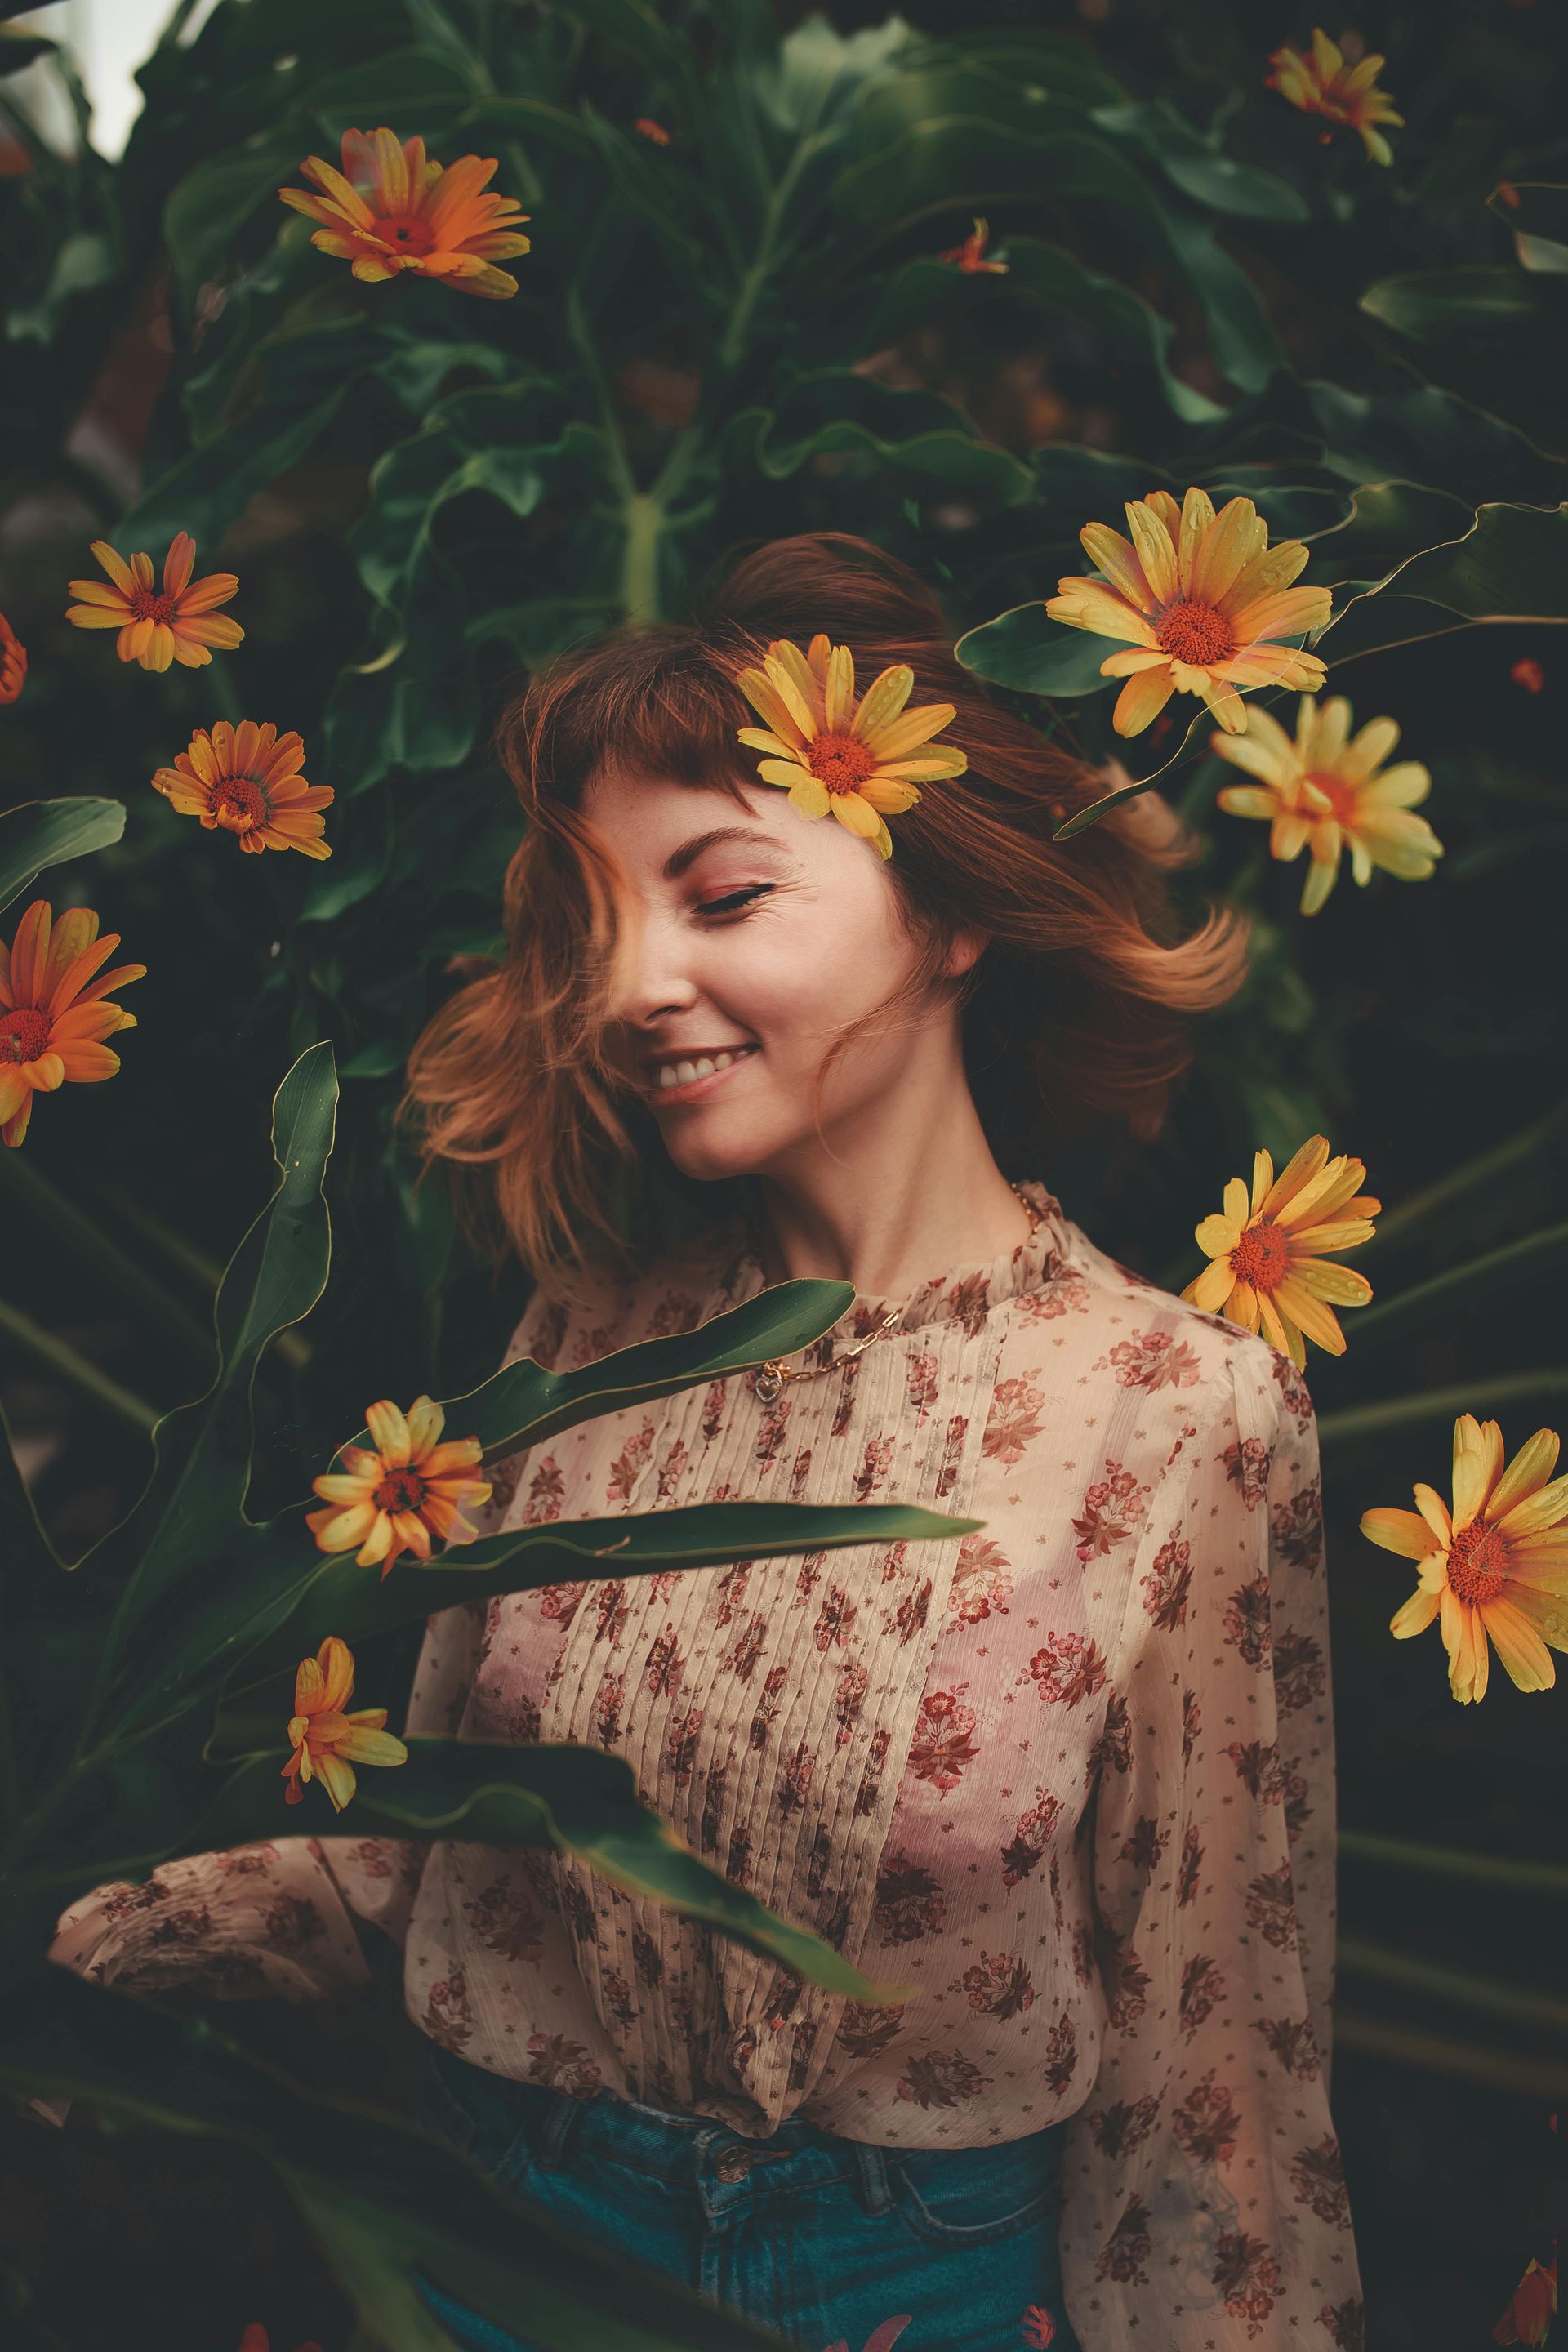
(762, 933)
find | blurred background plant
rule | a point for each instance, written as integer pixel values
(736, 321)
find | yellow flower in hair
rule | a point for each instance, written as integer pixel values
(827, 751)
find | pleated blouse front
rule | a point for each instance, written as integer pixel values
(1070, 1776)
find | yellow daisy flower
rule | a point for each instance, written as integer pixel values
(1328, 788)
(395, 1499)
(1321, 83)
(827, 751)
(1498, 1567)
(1200, 599)
(1266, 1266)
(327, 1744)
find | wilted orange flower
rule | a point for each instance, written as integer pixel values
(1198, 596)
(1498, 1566)
(13, 662)
(395, 1499)
(157, 626)
(860, 760)
(390, 209)
(248, 779)
(971, 253)
(652, 129)
(1329, 792)
(1531, 2307)
(326, 1742)
(1266, 1249)
(54, 1009)
(1530, 674)
(1321, 83)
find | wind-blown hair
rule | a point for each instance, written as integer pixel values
(1078, 1007)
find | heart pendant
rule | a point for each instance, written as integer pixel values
(768, 1385)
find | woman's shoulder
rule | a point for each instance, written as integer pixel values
(1104, 1325)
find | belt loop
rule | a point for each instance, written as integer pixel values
(874, 2191)
(560, 2121)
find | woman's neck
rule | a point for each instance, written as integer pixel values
(892, 1215)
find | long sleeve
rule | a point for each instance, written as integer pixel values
(1204, 2198)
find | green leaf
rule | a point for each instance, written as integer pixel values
(819, 73)
(1510, 565)
(1436, 305)
(1387, 523)
(1431, 436)
(916, 435)
(208, 208)
(386, 2199)
(1478, 1286)
(1025, 650)
(1199, 165)
(38, 834)
(581, 1799)
(188, 1515)
(1050, 274)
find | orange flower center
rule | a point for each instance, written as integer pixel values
(409, 231)
(841, 763)
(400, 1490)
(1262, 1255)
(24, 1034)
(1477, 1562)
(148, 605)
(239, 803)
(1341, 795)
(1195, 632)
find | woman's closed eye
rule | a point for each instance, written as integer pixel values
(737, 901)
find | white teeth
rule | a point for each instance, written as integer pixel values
(680, 1074)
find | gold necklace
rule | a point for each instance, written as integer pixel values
(773, 1375)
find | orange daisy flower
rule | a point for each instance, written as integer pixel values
(158, 626)
(395, 1499)
(971, 253)
(1200, 598)
(248, 779)
(1321, 83)
(829, 751)
(13, 662)
(1497, 1566)
(326, 1742)
(1268, 1270)
(651, 130)
(54, 1009)
(391, 209)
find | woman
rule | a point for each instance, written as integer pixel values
(1071, 1775)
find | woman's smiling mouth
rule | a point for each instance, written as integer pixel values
(687, 1077)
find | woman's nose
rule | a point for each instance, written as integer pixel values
(657, 979)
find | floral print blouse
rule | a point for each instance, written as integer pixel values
(1072, 1776)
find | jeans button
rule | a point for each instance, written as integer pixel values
(732, 2164)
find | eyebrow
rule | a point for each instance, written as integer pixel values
(677, 863)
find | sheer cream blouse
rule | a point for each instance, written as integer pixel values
(1072, 1776)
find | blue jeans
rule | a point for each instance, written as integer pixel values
(823, 2239)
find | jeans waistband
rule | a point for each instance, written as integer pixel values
(727, 2168)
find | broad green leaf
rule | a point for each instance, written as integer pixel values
(1199, 166)
(1436, 305)
(1387, 523)
(819, 73)
(188, 1516)
(965, 162)
(915, 434)
(478, 1792)
(1512, 564)
(387, 2197)
(211, 488)
(333, 1595)
(1025, 650)
(1051, 275)
(40, 833)
(632, 24)
(1434, 436)
(212, 204)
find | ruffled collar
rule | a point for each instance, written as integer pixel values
(963, 1294)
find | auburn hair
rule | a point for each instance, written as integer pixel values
(1078, 1008)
